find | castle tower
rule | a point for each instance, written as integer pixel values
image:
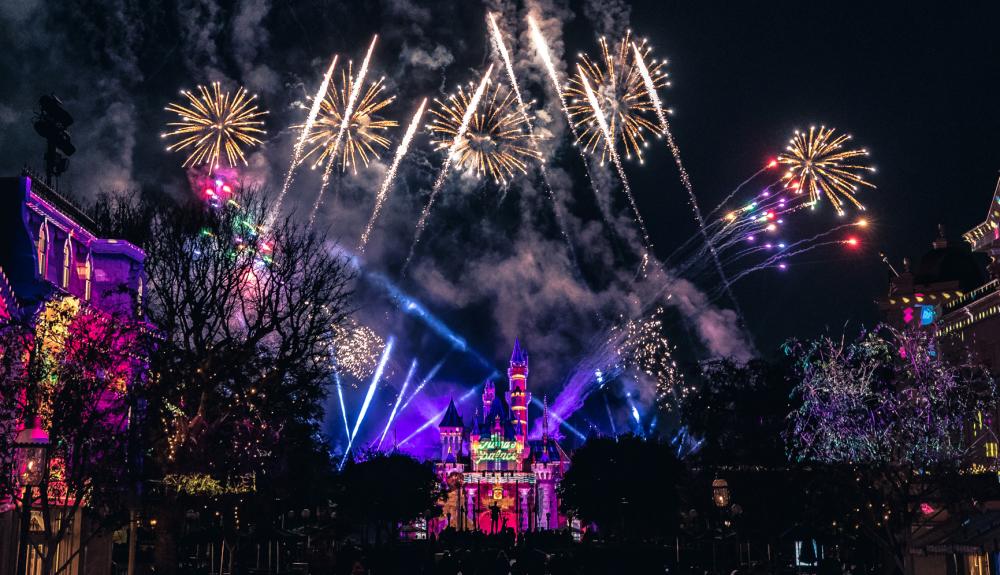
(451, 429)
(517, 373)
(489, 394)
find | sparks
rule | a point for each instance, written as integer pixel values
(495, 143)
(623, 97)
(364, 130)
(344, 125)
(456, 143)
(214, 124)
(304, 133)
(818, 164)
(390, 175)
(356, 348)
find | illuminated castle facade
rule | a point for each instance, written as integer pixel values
(496, 477)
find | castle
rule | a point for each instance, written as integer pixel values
(496, 477)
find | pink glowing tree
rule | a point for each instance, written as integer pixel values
(74, 373)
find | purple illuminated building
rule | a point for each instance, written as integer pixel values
(496, 477)
(50, 251)
(51, 248)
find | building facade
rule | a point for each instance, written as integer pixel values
(53, 255)
(497, 478)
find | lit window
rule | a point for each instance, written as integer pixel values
(67, 261)
(991, 449)
(88, 272)
(43, 249)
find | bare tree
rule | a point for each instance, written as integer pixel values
(246, 317)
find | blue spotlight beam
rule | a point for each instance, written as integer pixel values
(427, 378)
(343, 408)
(562, 422)
(399, 398)
(413, 307)
(437, 416)
(368, 397)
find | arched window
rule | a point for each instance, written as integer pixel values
(138, 293)
(43, 249)
(67, 260)
(88, 272)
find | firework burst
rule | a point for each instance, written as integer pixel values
(641, 345)
(623, 96)
(356, 349)
(215, 124)
(364, 136)
(497, 142)
(818, 164)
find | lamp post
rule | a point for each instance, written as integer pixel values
(31, 448)
(720, 493)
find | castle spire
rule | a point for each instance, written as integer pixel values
(545, 418)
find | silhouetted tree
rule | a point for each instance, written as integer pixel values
(625, 485)
(247, 317)
(381, 491)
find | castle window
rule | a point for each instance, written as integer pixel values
(88, 272)
(43, 249)
(67, 261)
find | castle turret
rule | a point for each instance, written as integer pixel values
(517, 373)
(451, 429)
(489, 394)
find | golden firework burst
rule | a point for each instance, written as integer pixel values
(364, 136)
(215, 124)
(356, 348)
(621, 91)
(497, 142)
(818, 164)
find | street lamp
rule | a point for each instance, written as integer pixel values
(31, 448)
(720, 493)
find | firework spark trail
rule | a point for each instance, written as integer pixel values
(348, 110)
(439, 183)
(685, 179)
(300, 143)
(387, 182)
(603, 124)
(502, 48)
(543, 50)
(368, 398)
(399, 398)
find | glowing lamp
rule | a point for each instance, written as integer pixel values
(31, 448)
(720, 493)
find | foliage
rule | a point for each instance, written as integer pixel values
(886, 399)
(891, 424)
(626, 485)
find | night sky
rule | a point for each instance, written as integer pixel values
(918, 88)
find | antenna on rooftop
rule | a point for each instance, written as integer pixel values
(51, 123)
